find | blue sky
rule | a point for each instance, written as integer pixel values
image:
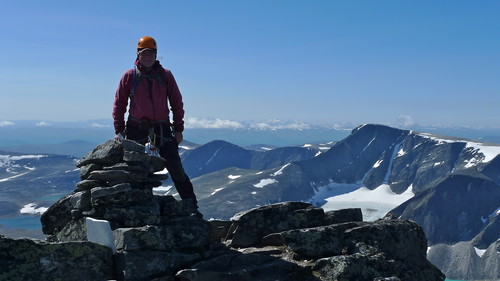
(416, 62)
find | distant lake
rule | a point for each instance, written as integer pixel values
(28, 222)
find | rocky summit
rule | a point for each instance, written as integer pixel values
(113, 227)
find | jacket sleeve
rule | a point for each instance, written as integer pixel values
(120, 104)
(176, 104)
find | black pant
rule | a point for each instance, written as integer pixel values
(169, 150)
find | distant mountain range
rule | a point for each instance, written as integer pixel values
(448, 185)
(75, 148)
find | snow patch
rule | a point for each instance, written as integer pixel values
(213, 156)
(479, 252)
(280, 171)
(13, 177)
(332, 189)
(401, 152)
(488, 151)
(364, 149)
(71, 171)
(233, 177)
(164, 171)
(32, 209)
(265, 182)
(185, 147)
(373, 203)
(436, 139)
(163, 189)
(216, 190)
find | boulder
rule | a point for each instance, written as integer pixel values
(108, 153)
(26, 259)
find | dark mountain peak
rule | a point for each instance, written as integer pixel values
(217, 155)
(219, 143)
(371, 128)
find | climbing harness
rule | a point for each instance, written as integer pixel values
(151, 148)
(154, 139)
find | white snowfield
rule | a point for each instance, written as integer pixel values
(480, 252)
(264, 182)
(33, 209)
(374, 204)
(233, 177)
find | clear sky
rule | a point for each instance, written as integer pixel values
(420, 62)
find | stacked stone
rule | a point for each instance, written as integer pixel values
(117, 181)
(115, 176)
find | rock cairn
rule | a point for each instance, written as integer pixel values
(117, 181)
(156, 238)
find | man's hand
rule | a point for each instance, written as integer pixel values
(119, 137)
(179, 137)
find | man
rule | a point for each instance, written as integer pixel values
(151, 89)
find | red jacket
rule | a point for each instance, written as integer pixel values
(151, 99)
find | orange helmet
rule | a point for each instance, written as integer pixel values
(146, 42)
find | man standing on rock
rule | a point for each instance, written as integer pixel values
(151, 89)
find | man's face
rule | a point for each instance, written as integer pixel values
(147, 58)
